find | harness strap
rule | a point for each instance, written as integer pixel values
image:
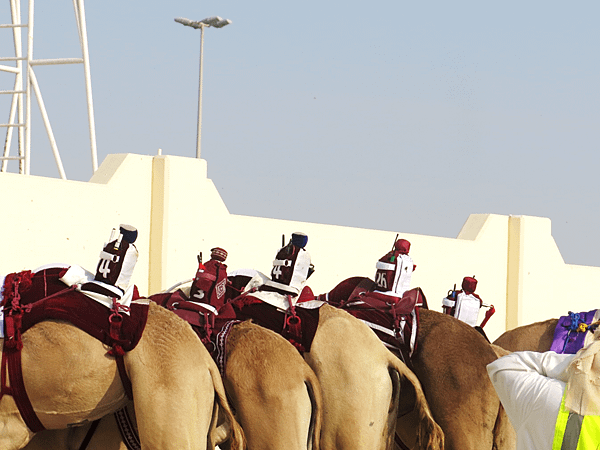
(89, 435)
(128, 432)
(293, 325)
(18, 391)
(116, 321)
(399, 442)
(11, 362)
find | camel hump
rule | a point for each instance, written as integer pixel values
(535, 337)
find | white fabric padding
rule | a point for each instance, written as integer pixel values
(467, 308)
(131, 257)
(300, 270)
(385, 266)
(404, 270)
(75, 275)
(449, 303)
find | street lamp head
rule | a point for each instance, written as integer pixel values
(211, 21)
(187, 22)
(215, 21)
(221, 23)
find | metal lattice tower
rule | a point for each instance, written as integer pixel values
(26, 85)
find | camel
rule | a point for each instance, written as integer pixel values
(276, 395)
(450, 362)
(536, 337)
(365, 388)
(70, 380)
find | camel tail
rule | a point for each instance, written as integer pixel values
(505, 436)
(316, 419)
(236, 438)
(429, 434)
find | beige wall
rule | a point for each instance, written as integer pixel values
(179, 212)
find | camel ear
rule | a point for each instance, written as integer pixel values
(408, 396)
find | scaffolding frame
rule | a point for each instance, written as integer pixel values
(26, 82)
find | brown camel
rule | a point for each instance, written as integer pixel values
(450, 362)
(365, 387)
(535, 337)
(70, 379)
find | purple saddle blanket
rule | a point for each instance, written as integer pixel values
(566, 337)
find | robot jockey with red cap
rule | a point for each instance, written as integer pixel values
(465, 304)
(210, 283)
(394, 269)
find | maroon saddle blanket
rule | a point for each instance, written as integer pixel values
(43, 296)
(201, 317)
(393, 319)
(297, 325)
(29, 298)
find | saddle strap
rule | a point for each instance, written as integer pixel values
(124, 377)
(11, 362)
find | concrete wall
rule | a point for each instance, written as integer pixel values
(179, 213)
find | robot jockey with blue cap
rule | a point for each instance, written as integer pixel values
(116, 264)
(292, 265)
(275, 302)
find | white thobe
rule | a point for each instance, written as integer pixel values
(530, 386)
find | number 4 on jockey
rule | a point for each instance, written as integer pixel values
(118, 259)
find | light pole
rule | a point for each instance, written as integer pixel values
(215, 22)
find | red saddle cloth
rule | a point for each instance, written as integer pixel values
(393, 319)
(30, 298)
(297, 325)
(201, 318)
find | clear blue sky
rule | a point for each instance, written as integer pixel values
(392, 115)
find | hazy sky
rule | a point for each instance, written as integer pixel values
(391, 115)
